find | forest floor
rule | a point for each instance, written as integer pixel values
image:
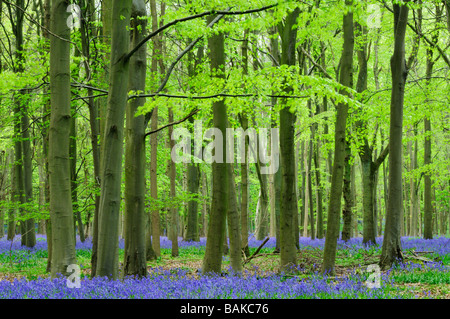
(424, 272)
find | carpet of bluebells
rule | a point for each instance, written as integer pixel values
(178, 283)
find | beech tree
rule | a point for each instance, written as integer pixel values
(212, 261)
(61, 213)
(391, 251)
(135, 250)
(288, 207)
(112, 143)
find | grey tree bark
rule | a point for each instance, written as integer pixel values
(428, 205)
(287, 120)
(61, 213)
(134, 263)
(391, 250)
(112, 144)
(212, 261)
(334, 207)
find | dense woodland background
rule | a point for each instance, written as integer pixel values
(91, 92)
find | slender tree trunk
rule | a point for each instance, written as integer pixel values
(262, 216)
(310, 175)
(155, 217)
(233, 223)
(205, 205)
(12, 211)
(193, 183)
(134, 263)
(414, 208)
(428, 207)
(244, 189)
(88, 31)
(347, 212)
(61, 213)
(30, 237)
(391, 250)
(4, 163)
(287, 120)
(334, 207)
(112, 144)
(97, 116)
(319, 192)
(45, 139)
(212, 261)
(173, 211)
(276, 176)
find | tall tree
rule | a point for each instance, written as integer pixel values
(134, 253)
(391, 250)
(428, 206)
(61, 213)
(288, 207)
(23, 163)
(112, 143)
(369, 165)
(243, 119)
(155, 217)
(334, 207)
(212, 261)
(97, 115)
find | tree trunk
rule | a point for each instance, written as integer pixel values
(391, 250)
(97, 114)
(193, 183)
(428, 207)
(347, 212)
(30, 232)
(276, 176)
(244, 189)
(61, 213)
(287, 120)
(173, 211)
(262, 221)
(319, 186)
(334, 207)
(12, 211)
(45, 137)
(88, 31)
(112, 144)
(233, 224)
(134, 263)
(414, 208)
(155, 217)
(212, 261)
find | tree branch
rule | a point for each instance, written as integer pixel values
(204, 97)
(195, 111)
(192, 17)
(430, 42)
(382, 157)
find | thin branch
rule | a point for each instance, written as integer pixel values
(204, 97)
(195, 111)
(180, 56)
(262, 51)
(316, 64)
(192, 17)
(39, 25)
(430, 42)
